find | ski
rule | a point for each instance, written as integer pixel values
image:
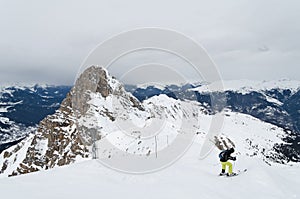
(238, 173)
(235, 174)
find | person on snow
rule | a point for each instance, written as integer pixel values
(224, 157)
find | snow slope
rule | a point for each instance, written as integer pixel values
(190, 177)
(187, 178)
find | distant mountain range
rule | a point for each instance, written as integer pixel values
(89, 119)
(275, 102)
(23, 107)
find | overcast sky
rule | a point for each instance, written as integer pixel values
(46, 42)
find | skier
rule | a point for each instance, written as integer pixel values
(224, 157)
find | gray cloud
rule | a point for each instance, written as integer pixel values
(47, 41)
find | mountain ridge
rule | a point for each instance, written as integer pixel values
(65, 137)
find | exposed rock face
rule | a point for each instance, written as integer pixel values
(98, 104)
(57, 141)
(94, 79)
(97, 101)
(223, 143)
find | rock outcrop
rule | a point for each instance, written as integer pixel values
(57, 140)
(98, 109)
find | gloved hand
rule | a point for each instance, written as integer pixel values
(234, 158)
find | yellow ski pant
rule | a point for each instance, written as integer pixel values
(224, 164)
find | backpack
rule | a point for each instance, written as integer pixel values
(222, 154)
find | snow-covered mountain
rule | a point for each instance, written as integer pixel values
(65, 136)
(98, 101)
(247, 86)
(22, 107)
(276, 102)
(187, 178)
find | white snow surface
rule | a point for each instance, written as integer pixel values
(4, 109)
(16, 158)
(246, 86)
(190, 177)
(187, 178)
(23, 86)
(155, 85)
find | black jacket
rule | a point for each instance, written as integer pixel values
(226, 155)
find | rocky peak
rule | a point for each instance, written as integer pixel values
(92, 80)
(58, 140)
(98, 101)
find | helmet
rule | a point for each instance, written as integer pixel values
(231, 150)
